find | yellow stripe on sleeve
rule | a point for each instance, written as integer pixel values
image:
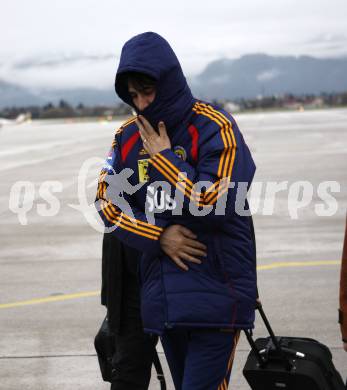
(171, 177)
(202, 110)
(117, 220)
(227, 135)
(140, 225)
(225, 166)
(227, 159)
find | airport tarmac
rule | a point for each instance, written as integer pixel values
(50, 251)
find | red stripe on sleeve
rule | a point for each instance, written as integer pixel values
(129, 144)
(193, 131)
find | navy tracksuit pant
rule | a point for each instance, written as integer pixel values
(200, 359)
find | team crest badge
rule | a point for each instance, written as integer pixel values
(180, 152)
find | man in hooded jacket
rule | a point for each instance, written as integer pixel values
(174, 187)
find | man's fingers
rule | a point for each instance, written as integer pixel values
(144, 136)
(142, 130)
(162, 129)
(195, 244)
(179, 263)
(146, 125)
(187, 233)
(139, 124)
(147, 148)
(190, 258)
(194, 251)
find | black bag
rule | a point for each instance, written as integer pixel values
(104, 344)
(290, 363)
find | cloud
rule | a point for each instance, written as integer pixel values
(61, 60)
(76, 72)
(71, 41)
(327, 45)
(268, 75)
(328, 38)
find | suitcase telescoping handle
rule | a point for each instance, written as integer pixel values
(259, 307)
(159, 369)
(275, 339)
(282, 353)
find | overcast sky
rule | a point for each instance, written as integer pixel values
(69, 43)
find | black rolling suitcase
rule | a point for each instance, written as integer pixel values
(290, 363)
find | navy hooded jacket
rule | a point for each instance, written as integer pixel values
(193, 184)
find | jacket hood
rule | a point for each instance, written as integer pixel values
(151, 54)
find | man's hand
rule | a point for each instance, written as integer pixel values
(152, 141)
(179, 243)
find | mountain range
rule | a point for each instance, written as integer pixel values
(246, 77)
(260, 74)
